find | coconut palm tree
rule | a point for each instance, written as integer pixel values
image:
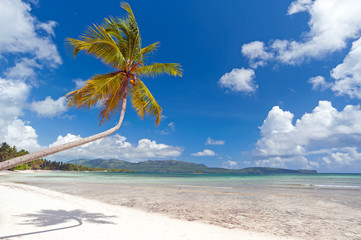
(117, 43)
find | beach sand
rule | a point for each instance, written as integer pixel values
(308, 214)
(28, 212)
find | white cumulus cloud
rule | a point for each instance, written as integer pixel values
(332, 23)
(79, 83)
(49, 107)
(316, 136)
(22, 135)
(347, 75)
(230, 164)
(27, 45)
(300, 6)
(116, 146)
(239, 80)
(205, 152)
(319, 83)
(346, 156)
(23, 69)
(256, 53)
(20, 33)
(13, 95)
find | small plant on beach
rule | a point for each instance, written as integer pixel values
(118, 44)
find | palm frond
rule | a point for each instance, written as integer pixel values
(146, 51)
(96, 90)
(173, 69)
(131, 30)
(112, 103)
(117, 29)
(150, 48)
(127, 8)
(76, 98)
(98, 42)
(111, 26)
(144, 102)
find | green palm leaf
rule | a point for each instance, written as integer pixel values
(96, 90)
(144, 102)
(112, 26)
(112, 103)
(98, 42)
(173, 69)
(146, 51)
(150, 48)
(133, 35)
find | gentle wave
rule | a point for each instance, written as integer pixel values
(202, 186)
(336, 186)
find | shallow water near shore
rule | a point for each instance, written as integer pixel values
(315, 206)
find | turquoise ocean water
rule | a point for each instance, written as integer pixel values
(295, 181)
(336, 183)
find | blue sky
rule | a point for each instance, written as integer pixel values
(266, 83)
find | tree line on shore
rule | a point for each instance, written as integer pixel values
(8, 152)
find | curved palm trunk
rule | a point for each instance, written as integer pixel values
(51, 150)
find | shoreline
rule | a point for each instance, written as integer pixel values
(282, 207)
(36, 213)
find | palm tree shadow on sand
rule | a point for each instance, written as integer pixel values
(47, 218)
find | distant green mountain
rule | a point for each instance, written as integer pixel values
(172, 166)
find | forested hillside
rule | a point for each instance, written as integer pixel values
(173, 166)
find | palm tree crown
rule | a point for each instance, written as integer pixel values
(118, 44)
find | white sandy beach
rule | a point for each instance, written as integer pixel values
(28, 212)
